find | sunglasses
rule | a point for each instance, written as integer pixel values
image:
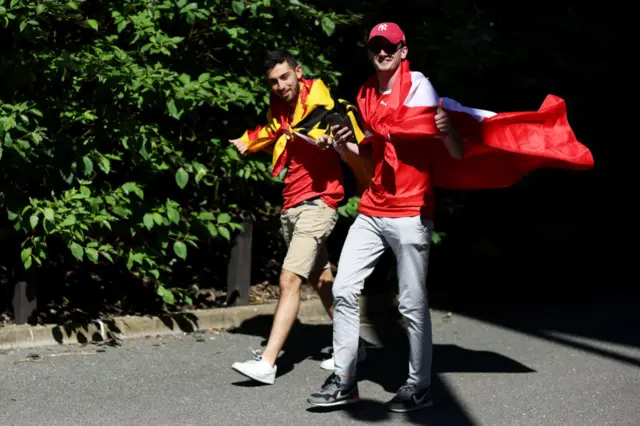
(388, 47)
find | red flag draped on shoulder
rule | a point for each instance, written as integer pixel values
(499, 148)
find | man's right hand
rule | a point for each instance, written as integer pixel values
(341, 134)
(324, 142)
(240, 145)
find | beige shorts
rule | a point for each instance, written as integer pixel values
(306, 229)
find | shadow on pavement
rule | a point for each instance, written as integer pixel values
(445, 411)
(305, 341)
(579, 318)
(386, 365)
(605, 323)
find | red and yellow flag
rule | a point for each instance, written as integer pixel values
(314, 103)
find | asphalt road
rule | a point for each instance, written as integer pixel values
(521, 368)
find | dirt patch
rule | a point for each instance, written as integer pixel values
(265, 292)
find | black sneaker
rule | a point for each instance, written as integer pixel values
(334, 393)
(410, 398)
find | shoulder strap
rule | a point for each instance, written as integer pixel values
(310, 121)
(341, 106)
(352, 117)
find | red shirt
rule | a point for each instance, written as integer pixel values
(312, 173)
(404, 192)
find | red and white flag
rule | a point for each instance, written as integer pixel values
(500, 148)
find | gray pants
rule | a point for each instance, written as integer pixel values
(368, 238)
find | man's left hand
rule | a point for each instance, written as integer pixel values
(442, 119)
(342, 134)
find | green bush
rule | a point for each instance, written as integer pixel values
(114, 121)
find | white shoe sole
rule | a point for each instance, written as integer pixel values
(329, 364)
(262, 379)
(334, 404)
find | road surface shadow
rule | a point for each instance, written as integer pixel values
(387, 366)
(590, 324)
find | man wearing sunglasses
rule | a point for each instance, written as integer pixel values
(395, 212)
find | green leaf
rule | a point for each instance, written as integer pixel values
(33, 220)
(129, 187)
(180, 249)
(93, 24)
(189, 7)
(25, 254)
(121, 211)
(135, 258)
(168, 298)
(213, 231)
(173, 110)
(107, 256)
(122, 25)
(201, 171)
(40, 8)
(48, 214)
(238, 7)
(92, 254)
(158, 219)
(436, 237)
(69, 221)
(224, 232)
(11, 215)
(88, 165)
(205, 216)
(167, 295)
(133, 187)
(148, 221)
(182, 177)
(328, 25)
(173, 214)
(77, 251)
(105, 165)
(224, 218)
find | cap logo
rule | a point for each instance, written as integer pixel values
(382, 27)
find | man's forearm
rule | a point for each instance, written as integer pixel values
(454, 143)
(352, 148)
(363, 151)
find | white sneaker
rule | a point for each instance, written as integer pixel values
(257, 369)
(329, 364)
